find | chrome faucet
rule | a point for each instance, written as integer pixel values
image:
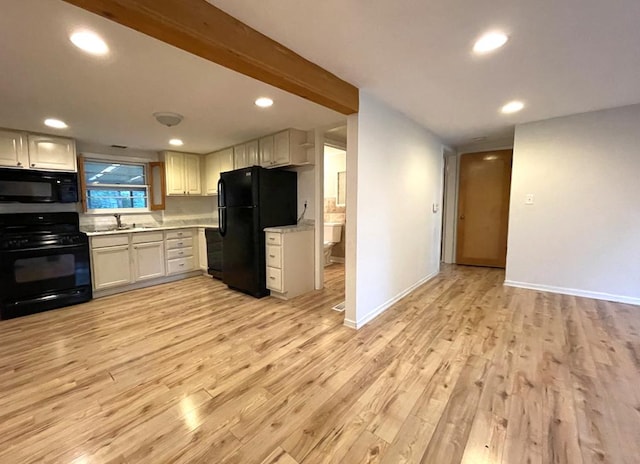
(118, 221)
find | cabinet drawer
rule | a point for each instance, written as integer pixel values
(177, 266)
(274, 256)
(146, 237)
(102, 241)
(181, 233)
(274, 279)
(273, 238)
(180, 253)
(179, 243)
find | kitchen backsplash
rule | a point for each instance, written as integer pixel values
(332, 212)
(179, 211)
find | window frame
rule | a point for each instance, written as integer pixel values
(86, 186)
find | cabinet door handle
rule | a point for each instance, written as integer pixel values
(181, 253)
(271, 238)
(272, 256)
(272, 278)
(181, 264)
(19, 163)
(179, 234)
(33, 165)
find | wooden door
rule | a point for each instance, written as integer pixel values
(483, 208)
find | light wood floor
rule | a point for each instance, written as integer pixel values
(462, 370)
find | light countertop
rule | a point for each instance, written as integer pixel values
(290, 229)
(146, 229)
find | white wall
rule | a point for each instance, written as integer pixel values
(582, 234)
(394, 175)
(335, 161)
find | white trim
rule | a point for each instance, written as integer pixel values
(145, 283)
(336, 259)
(574, 292)
(386, 305)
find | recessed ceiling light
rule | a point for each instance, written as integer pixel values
(489, 42)
(89, 42)
(512, 107)
(55, 123)
(264, 102)
(176, 142)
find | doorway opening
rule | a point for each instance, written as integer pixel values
(334, 214)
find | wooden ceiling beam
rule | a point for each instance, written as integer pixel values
(204, 30)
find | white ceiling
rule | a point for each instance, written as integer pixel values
(111, 101)
(564, 57)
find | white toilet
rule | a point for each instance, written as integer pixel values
(332, 235)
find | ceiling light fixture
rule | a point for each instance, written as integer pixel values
(89, 42)
(512, 107)
(490, 42)
(176, 142)
(168, 119)
(264, 102)
(55, 123)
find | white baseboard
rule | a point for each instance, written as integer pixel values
(351, 324)
(145, 284)
(336, 259)
(387, 304)
(574, 292)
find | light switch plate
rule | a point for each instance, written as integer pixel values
(528, 200)
(436, 207)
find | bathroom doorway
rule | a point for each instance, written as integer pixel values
(335, 213)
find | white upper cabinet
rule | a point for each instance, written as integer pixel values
(266, 151)
(52, 153)
(245, 155)
(13, 149)
(31, 151)
(252, 155)
(215, 163)
(192, 174)
(240, 156)
(182, 173)
(174, 165)
(284, 148)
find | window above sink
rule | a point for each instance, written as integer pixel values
(115, 187)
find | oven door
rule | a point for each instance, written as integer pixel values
(43, 278)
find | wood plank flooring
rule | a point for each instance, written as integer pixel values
(463, 370)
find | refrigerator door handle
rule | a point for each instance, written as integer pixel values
(222, 210)
(221, 194)
(222, 221)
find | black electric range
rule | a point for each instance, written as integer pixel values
(44, 263)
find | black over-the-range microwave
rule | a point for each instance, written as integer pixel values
(30, 186)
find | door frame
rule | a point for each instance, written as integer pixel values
(508, 204)
(450, 202)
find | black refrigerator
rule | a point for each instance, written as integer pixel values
(249, 200)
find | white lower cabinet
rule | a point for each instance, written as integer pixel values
(111, 266)
(148, 260)
(120, 261)
(289, 260)
(179, 246)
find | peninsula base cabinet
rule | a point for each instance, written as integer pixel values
(289, 258)
(130, 260)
